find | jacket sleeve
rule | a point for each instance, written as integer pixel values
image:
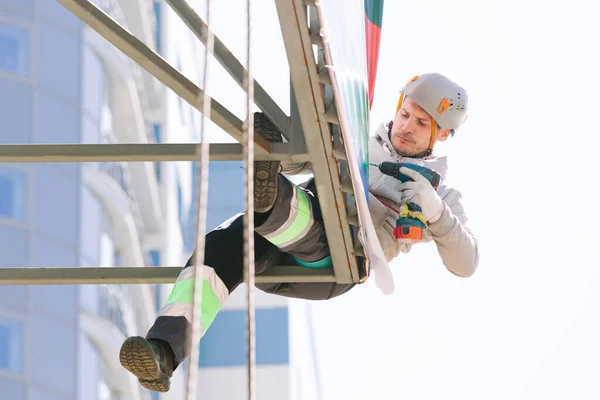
(296, 168)
(455, 242)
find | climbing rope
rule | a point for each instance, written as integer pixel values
(249, 267)
(202, 195)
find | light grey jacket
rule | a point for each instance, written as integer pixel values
(456, 244)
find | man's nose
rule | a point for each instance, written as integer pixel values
(407, 127)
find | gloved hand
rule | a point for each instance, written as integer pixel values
(420, 191)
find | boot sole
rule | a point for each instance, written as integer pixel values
(265, 184)
(136, 356)
(265, 172)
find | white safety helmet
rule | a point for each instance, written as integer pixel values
(444, 100)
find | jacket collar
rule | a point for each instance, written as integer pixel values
(438, 164)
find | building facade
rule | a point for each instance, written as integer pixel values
(60, 82)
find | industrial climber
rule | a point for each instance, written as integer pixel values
(288, 224)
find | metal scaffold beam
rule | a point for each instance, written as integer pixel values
(313, 116)
(147, 275)
(157, 66)
(312, 119)
(137, 152)
(232, 65)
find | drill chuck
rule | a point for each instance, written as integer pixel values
(393, 169)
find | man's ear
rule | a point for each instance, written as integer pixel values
(443, 134)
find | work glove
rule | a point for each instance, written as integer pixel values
(420, 192)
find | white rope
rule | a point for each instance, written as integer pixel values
(249, 267)
(202, 195)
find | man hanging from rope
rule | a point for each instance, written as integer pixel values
(288, 224)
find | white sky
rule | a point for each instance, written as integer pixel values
(526, 325)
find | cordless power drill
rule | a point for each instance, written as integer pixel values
(410, 223)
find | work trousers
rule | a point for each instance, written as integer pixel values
(292, 229)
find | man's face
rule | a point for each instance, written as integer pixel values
(411, 131)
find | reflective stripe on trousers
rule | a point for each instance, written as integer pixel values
(179, 303)
(295, 225)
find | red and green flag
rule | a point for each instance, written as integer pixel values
(373, 21)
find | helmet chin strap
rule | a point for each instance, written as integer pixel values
(401, 100)
(424, 154)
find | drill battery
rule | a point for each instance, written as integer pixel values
(410, 223)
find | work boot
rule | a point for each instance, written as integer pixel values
(265, 172)
(151, 361)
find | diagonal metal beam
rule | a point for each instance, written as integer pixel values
(146, 58)
(231, 64)
(312, 112)
(148, 275)
(136, 152)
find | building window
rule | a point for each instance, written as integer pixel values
(105, 392)
(186, 221)
(158, 31)
(12, 194)
(106, 111)
(105, 5)
(185, 109)
(11, 345)
(190, 231)
(14, 49)
(155, 256)
(107, 251)
(110, 306)
(156, 130)
(94, 83)
(181, 214)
